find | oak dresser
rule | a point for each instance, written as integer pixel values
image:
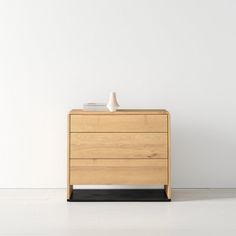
(126, 147)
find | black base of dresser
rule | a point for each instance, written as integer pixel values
(118, 195)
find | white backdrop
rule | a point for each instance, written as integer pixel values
(178, 55)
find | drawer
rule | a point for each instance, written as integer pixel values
(118, 171)
(118, 145)
(118, 123)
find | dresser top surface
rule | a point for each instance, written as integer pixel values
(121, 112)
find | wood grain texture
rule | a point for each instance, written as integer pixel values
(117, 162)
(121, 112)
(112, 171)
(118, 123)
(168, 186)
(69, 187)
(118, 145)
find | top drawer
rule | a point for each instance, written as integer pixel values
(118, 123)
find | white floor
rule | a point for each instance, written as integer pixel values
(46, 212)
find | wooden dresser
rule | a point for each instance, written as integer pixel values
(126, 147)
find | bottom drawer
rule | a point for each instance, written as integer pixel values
(118, 171)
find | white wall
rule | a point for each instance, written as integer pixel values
(56, 55)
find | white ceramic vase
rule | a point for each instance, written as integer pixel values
(112, 104)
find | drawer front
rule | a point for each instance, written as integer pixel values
(118, 145)
(118, 171)
(118, 123)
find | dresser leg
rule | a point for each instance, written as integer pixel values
(69, 191)
(168, 191)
